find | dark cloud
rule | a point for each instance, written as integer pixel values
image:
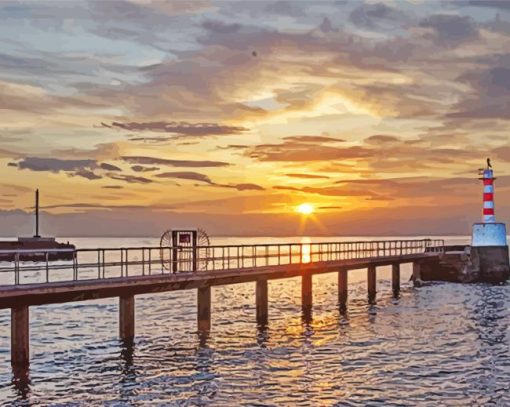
(242, 187)
(380, 139)
(141, 168)
(109, 167)
(112, 186)
(285, 8)
(151, 139)
(371, 15)
(180, 128)
(219, 27)
(54, 164)
(248, 187)
(233, 147)
(490, 91)
(86, 174)
(187, 175)
(131, 179)
(451, 29)
(498, 4)
(173, 163)
(326, 26)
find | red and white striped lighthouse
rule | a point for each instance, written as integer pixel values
(488, 194)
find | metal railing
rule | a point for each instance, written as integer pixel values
(103, 263)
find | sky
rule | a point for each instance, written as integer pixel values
(136, 116)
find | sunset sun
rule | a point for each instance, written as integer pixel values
(305, 209)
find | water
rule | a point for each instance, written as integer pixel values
(443, 344)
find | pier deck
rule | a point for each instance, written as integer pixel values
(126, 272)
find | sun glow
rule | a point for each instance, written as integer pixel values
(305, 209)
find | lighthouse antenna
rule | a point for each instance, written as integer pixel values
(37, 213)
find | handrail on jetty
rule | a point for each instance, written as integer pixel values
(105, 263)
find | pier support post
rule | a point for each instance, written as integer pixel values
(204, 309)
(395, 278)
(371, 283)
(20, 337)
(261, 298)
(306, 295)
(416, 277)
(342, 288)
(127, 317)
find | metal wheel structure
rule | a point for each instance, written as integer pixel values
(178, 252)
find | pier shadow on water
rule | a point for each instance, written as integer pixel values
(128, 374)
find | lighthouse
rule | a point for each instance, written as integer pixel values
(489, 248)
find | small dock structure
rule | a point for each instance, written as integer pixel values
(129, 271)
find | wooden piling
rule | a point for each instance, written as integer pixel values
(342, 288)
(371, 283)
(204, 309)
(306, 292)
(127, 317)
(262, 302)
(395, 278)
(20, 336)
(416, 277)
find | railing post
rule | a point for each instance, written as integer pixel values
(16, 268)
(103, 255)
(20, 336)
(47, 268)
(99, 264)
(261, 301)
(75, 266)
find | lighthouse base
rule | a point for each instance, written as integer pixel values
(488, 264)
(466, 264)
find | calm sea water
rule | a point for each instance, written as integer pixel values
(443, 344)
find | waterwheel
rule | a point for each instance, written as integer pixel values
(179, 254)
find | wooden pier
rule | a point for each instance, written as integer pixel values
(127, 272)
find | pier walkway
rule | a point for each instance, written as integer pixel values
(126, 272)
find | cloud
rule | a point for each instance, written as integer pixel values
(498, 4)
(109, 167)
(307, 176)
(173, 163)
(187, 175)
(141, 168)
(180, 128)
(87, 174)
(131, 179)
(451, 29)
(341, 191)
(313, 139)
(54, 164)
(302, 152)
(372, 15)
(219, 27)
(242, 187)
